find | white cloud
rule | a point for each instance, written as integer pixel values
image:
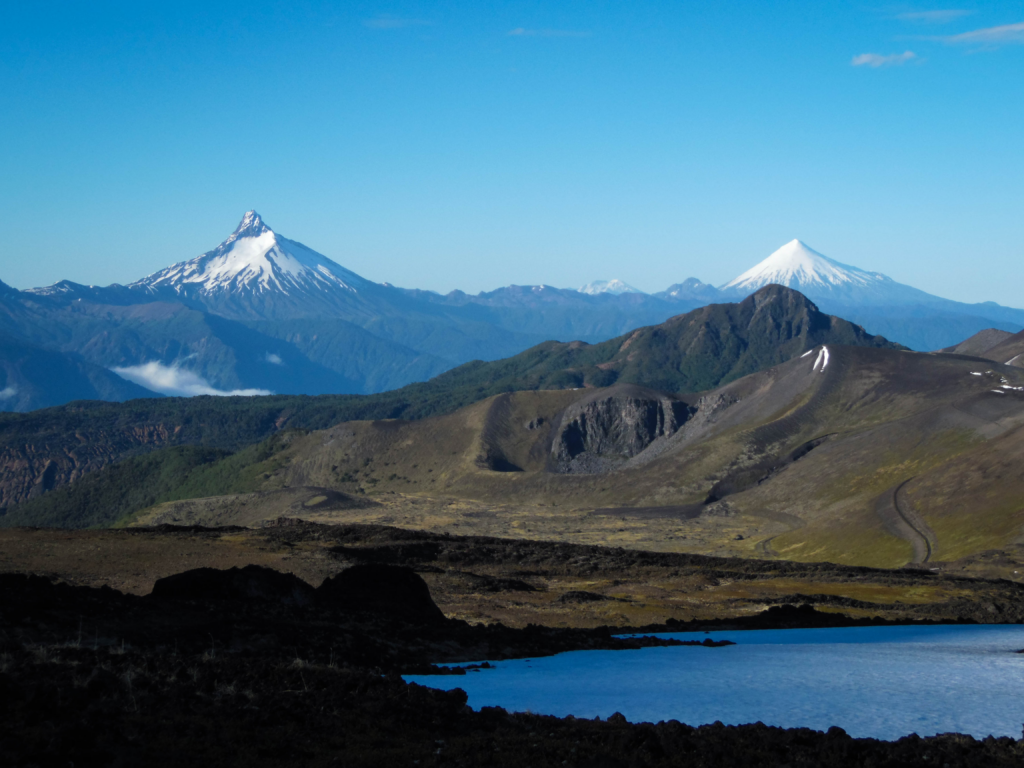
(523, 32)
(8, 392)
(1008, 33)
(274, 359)
(879, 60)
(172, 380)
(933, 17)
(387, 21)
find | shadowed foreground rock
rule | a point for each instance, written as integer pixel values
(228, 668)
(380, 590)
(249, 583)
(386, 590)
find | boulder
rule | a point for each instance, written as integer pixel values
(387, 590)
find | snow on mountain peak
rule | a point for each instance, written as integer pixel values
(255, 259)
(615, 286)
(795, 265)
(252, 225)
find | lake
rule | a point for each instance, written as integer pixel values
(882, 682)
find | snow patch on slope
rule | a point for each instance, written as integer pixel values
(176, 382)
(821, 360)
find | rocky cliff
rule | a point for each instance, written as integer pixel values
(613, 425)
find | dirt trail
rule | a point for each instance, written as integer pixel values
(902, 520)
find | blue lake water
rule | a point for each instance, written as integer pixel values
(882, 682)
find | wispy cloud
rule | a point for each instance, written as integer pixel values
(524, 32)
(8, 392)
(177, 382)
(274, 359)
(386, 21)
(1006, 34)
(933, 17)
(880, 60)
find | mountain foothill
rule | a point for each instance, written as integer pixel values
(763, 427)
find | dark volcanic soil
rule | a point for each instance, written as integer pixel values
(254, 667)
(257, 667)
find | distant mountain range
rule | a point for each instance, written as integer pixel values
(261, 313)
(701, 349)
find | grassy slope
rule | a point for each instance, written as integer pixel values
(892, 417)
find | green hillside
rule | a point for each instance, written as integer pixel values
(700, 350)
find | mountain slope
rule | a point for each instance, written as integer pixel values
(32, 378)
(840, 453)
(1009, 351)
(846, 454)
(979, 343)
(699, 350)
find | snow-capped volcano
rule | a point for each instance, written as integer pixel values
(794, 265)
(836, 288)
(616, 287)
(254, 259)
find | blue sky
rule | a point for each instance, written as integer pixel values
(472, 145)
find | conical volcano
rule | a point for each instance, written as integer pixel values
(256, 259)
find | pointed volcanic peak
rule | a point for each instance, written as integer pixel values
(615, 287)
(255, 260)
(797, 266)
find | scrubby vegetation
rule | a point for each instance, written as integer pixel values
(113, 495)
(103, 498)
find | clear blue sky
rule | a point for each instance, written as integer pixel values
(472, 145)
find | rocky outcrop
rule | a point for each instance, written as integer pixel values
(605, 429)
(252, 582)
(388, 590)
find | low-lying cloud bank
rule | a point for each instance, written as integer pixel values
(177, 382)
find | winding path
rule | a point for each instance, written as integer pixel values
(903, 521)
